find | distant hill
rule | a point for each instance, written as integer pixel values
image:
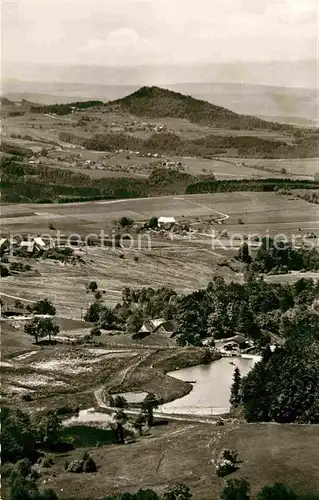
(156, 102)
(266, 102)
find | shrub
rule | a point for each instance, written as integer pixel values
(19, 267)
(236, 489)
(126, 222)
(153, 223)
(277, 492)
(178, 491)
(93, 286)
(226, 463)
(4, 271)
(19, 304)
(6, 469)
(89, 465)
(46, 461)
(76, 466)
(98, 295)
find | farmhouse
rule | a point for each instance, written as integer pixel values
(166, 222)
(157, 325)
(160, 325)
(35, 244)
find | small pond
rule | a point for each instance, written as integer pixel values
(87, 416)
(211, 387)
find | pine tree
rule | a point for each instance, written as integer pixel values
(235, 393)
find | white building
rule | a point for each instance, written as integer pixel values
(166, 222)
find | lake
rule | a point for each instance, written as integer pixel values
(211, 391)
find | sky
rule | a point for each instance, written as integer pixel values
(131, 33)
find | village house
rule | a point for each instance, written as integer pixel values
(166, 222)
(32, 245)
(156, 326)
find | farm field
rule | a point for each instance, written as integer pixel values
(258, 211)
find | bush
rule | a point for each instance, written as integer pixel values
(4, 271)
(277, 492)
(226, 463)
(236, 489)
(84, 464)
(93, 286)
(19, 267)
(178, 491)
(19, 304)
(6, 469)
(76, 466)
(89, 465)
(153, 223)
(46, 461)
(126, 222)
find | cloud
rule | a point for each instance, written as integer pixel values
(129, 32)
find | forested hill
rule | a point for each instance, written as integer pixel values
(156, 102)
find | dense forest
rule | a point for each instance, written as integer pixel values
(284, 386)
(22, 182)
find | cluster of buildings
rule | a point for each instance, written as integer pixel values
(31, 245)
(137, 126)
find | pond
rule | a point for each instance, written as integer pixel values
(211, 386)
(87, 416)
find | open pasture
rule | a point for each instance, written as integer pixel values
(269, 454)
(184, 269)
(258, 211)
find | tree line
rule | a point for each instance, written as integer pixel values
(278, 257)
